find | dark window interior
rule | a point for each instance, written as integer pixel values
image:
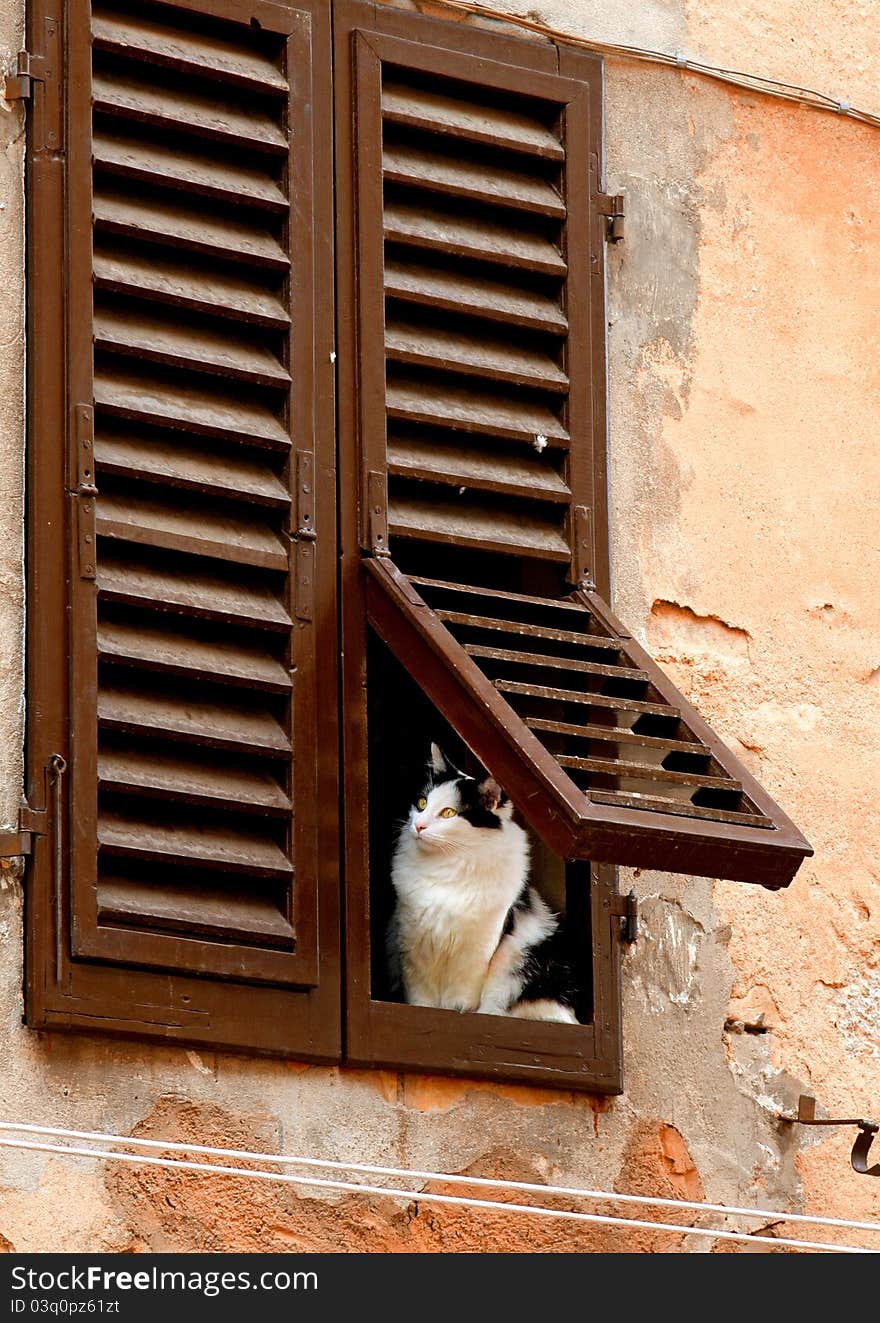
(401, 724)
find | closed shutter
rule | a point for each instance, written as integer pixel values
(480, 448)
(197, 844)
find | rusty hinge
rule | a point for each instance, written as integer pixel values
(85, 493)
(29, 69)
(378, 514)
(304, 536)
(611, 205)
(627, 909)
(36, 821)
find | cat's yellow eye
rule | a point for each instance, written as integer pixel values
(449, 813)
(421, 803)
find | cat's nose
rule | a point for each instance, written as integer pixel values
(419, 826)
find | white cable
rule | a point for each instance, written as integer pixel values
(141, 1159)
(411, 1173)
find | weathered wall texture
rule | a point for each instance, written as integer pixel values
(745, 454)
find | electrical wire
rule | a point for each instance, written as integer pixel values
(802, 96)
(411, 1173)
(423, 1196)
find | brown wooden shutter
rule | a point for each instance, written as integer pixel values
(480, 451)
(182, 438)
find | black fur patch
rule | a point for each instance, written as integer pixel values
(550, 970)
(474, 798)
(521, 903)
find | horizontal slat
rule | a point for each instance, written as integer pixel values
(214, 411)
(470, 409)
(155, 219)
(236, 728)
(620, 799)
(646, 772)
(245, 918)
(122, 92)
(158, 648)
(155, 274)
(471, 236)
(531, 631)
(616, 735)
(473, 353)
(461, 525)
(480, 295)
(240, 182)
(200, 531)
(207, 348)
(192, 591)
(483, 181)
(191, 780)
(587, 698)
(201, 846)
(189, 466)
(560, 663)
(523, 599)
(194, 53)
(498, 126)
(524, 475)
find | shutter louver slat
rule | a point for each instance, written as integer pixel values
(148, 646)
(426, 108)
(158, 163)
(136, 35)
(171, 221)
(436, 227)
(205, 348)
(198, 594)
(135, 95)
(188, 404)
(462, 290)
(192, 720)
(132, 518)
(186, 284)
(156, 458)
(191, 781)
(482, 181)
(204, 913)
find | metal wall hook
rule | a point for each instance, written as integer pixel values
(806, 1115)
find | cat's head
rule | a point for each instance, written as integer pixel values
(454, 810)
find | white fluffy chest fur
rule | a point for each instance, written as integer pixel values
(451, 907)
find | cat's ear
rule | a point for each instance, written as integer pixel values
(491, 794)
(438, 764)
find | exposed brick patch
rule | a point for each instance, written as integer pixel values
(657, 1162)
(6, 1246)
(175, 1210)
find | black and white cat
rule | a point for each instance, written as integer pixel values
(468, 932)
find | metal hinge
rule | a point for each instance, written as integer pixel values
(29, 69)
(627, 909)
(378, 513)
(304, 536)
(36, 821)
(611, 205)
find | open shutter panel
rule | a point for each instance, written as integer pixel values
(481, 255)
(202, 524)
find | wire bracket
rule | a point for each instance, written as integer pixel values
(806, 1115)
